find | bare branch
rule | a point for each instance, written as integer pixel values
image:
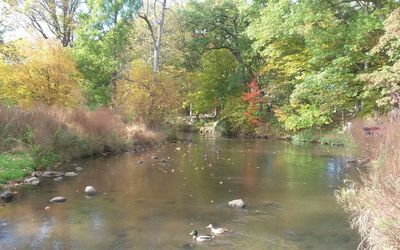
(145, 18)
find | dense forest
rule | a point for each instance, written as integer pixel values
(92, 77)
(262, 67)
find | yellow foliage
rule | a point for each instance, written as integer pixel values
(45, 73)
(146, 98)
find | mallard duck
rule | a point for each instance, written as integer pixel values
(198, 237)
(218, 230)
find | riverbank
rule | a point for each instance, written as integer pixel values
(40, 138)
(372, 202)
(332, 136)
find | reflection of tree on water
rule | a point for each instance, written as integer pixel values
(249, 175)
(144, 206)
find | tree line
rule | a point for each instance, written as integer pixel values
(263, 67)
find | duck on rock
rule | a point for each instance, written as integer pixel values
(218, 230)
(198, 237)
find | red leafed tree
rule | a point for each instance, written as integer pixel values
(253, 99)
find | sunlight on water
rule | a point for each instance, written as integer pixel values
(155, 204)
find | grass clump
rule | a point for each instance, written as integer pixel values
(15, 166)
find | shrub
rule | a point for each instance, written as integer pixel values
(147, 98)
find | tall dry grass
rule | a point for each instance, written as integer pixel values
(374, 201)
(68, 132)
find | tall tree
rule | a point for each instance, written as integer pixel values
(102, 48)
(154, 17)
(50, 18)
(219, 25)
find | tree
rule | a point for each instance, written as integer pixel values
(56, 18)
(46, 73)
(102, 48)
(314, 51)
(218, 25)
(384, 82)
(216, 81)
(145, 102)
(155, 27)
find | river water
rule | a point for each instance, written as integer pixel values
(155, 204)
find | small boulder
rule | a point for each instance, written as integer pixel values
(89, 190)
(140, 161)
(237, 203)
(58, 199)
(60, 178)
(70, 174)
(58, 174)
(154, 157)
(78, 168)
(35, 182)
(48, 173)
(32, 180)
(7, 196)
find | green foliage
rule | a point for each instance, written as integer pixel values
(304, 136)
(102, 46)
(233, 118)
(43, 157)
(384, 83)
(314, 51)
(216, 81)
(217, 25)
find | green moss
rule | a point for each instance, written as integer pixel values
(15, 166)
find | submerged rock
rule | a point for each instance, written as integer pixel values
(70, 174)
(90, 190)
(7, 196)
(58, 199)
(237, 203)
(60, 178)
(78, 168)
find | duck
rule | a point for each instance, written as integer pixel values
(218, 230)
(198, 237)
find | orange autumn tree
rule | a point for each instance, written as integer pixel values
(253, 100)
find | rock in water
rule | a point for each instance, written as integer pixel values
(7, 196)
(70, 174)
(58, 178)
(90, 190)
(237, 203)
(78, 168)
(58, 174)
(48, 174)
(32, 180)
(58, 199)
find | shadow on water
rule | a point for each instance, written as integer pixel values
(154, 204)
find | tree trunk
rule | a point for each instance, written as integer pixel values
(157, 44)
(113, 90)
